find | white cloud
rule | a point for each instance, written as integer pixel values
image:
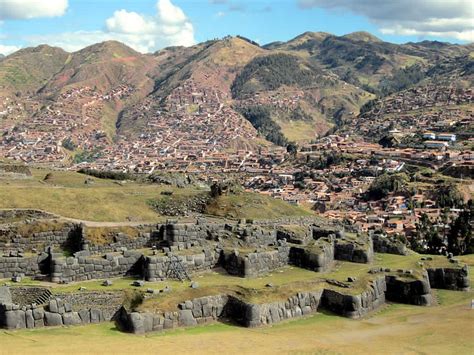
(129, 22)
(28, 9)
(169, 27)
(6, 50)
(169, 13)
(441, 18)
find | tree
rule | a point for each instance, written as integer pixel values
(385, 184)
(292, 148)
(448, 195)
(460, 240)
(427, 238)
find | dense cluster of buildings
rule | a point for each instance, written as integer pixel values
(337, 190)
(75, 116)
(435, 108)
(195, 130)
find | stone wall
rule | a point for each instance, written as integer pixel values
(295, 234)
(82, 307)
(5, 295)
(389, 245)
(21, 214)
(56, 313)
(189, 235)
(356, 251)
(156, 267)
(147, 236)
(85, 268)
(190, 313)
(26, 295)
(449, 278)
(318, 257)
(255, 315)
(355, 306)
(107, 303)
(16, 266)
(192, 234)
(256, 263)
(61, 235)
(212, 308)
(409, 290)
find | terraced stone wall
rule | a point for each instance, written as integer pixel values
(318, 257)
(59, 312)
(256, 263)
(21, 266)
(145, 236)
(189, 235)
(449, 278)
(389, 245)
(36, 236)
(255, 315)
(84, 268)
(355, 306)
(157, 267)
(409, 290)
(212, 308)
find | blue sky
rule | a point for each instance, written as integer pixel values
(148, 25)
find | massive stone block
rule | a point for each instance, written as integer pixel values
(449, 278)
(409, 290)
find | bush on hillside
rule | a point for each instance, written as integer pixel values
(260, 118)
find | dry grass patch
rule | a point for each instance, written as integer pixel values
(105, 235)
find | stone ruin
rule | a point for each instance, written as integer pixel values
(36, 248)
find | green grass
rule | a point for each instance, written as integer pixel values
(65, 193)
(253, 206)
(397, 329)
(286, 281)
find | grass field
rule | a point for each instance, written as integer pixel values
(396, 329)
(253, 206)
(65, 193)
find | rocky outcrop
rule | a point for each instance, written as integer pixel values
(449, 278)
(11, 215)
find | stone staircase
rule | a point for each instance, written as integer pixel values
(44, 297)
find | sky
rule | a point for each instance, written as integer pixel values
(149, 25)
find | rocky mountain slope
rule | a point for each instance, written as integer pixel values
(219, 95)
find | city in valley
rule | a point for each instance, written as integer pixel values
(185, 190)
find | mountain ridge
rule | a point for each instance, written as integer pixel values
(107, 92)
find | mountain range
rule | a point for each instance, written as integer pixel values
(273, 94)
